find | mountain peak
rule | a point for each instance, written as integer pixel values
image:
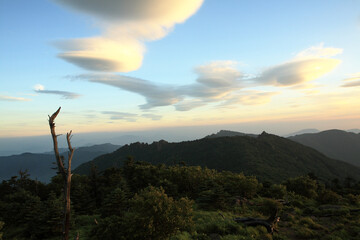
(228, 133)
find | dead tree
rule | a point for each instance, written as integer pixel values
(65, 172)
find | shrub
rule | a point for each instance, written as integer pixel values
(304, 186)
(154, 215)
(328, 196)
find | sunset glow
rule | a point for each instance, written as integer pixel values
(142, 65)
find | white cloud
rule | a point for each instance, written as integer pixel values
(308, 65)
(352, 81)
(187, 105)
(13, 99)
(38, 88)
(217, 82)
(319, 51)
(153, 117)
(155, 95)
(250, 97)
(126, 25)
(130, 117)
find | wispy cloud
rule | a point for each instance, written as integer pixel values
(13, 99)
(352, 81)
(151, 116)
(130, 117)
(250, 97)
(222, 84)
(64, 94)
(308, 65)
(126, 25)
(217, 82)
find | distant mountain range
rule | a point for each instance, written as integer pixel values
(337, 144)
(314, 130)
(303, 131)
(39, 165)
(269, 157)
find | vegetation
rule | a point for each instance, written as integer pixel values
(268, 157)
(145, 201)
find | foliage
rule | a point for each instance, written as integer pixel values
(116, 203)
(303, 185)
(144, 201)
(267, 156)
(154, 215)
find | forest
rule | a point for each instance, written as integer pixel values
(144, 201)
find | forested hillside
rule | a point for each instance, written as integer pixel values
(143, 201)
(267, 157)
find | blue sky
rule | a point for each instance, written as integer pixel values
(135, 65)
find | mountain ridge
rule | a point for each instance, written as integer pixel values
(334, 143)
(269, 157)
(40, 165)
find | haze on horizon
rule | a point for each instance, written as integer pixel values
(164, 66)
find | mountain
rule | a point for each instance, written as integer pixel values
(39, 165)
(269, 157)
(303, 131)
(337, 144)
(227, 133)
(354, 130)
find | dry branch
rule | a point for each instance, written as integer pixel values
(65, 173)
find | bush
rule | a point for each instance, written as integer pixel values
(329, 197)
(154, 215)
(269, 207)
(304, 186)
(112, 227)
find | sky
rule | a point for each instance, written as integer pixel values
(137, 65)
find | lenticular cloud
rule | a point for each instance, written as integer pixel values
(126, 25)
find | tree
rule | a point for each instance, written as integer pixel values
(65, 173)
(303, 185)
(115, 203)
(154, 215)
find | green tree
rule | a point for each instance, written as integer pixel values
(21, 211)
(115, 203)
(154, 215)
(303, 185)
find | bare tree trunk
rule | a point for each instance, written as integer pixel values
(65, 173)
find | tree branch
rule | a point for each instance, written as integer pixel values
(59, 161)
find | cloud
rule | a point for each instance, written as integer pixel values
(126, 25)
(217, 82)
(307, 66)
(187, 105)
(13, 99)
(154, 94)
(352, 81)
(38, 88)
(221, 83)
(250, 97)
(152, 116)
(319, 51)
(130, 117)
